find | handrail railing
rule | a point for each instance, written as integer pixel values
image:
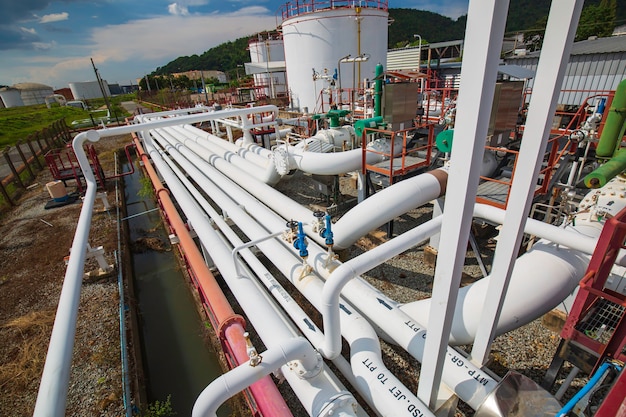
(297, 7)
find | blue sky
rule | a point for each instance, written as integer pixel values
(51, 42)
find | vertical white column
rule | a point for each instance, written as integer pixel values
(560, 31)
(483, 41)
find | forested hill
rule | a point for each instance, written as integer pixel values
(524, 15)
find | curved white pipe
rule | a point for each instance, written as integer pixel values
(52, 395)
(241, 377)
(356, 266)
(582, 238)
(320, 163)
(555, 270)
(386, 205)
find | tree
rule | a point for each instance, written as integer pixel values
(597, 20)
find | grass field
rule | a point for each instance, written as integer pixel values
(19, 122)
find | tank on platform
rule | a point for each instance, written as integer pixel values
(267, 58)
(331, 45)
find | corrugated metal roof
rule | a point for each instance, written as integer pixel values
(600, 46)
(608, 45)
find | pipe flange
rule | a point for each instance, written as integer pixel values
(235, 318)
(280, 155)
(307, 372)
(344, 401)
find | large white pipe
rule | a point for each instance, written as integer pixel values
(319, 389)
(320, 163)
(353, 325)
(555, 270)
(300, 318)
(582, 237)
(266, 173)
(386, 205)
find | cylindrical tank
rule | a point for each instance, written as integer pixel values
(317, 39)
(10, 97)
(34, 93)
(267, 48)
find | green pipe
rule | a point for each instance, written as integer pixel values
(613, 167)
(614, 127)
(378, 90)
(360, 125)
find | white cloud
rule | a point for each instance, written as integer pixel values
(155, 42)
(184, 36)
(54, 17)
(177, 9)
(32, 31)
(44, 46)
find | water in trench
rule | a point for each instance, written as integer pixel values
(177, 361)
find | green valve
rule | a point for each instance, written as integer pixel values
(444, 140)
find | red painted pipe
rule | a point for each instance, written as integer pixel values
(228, 325)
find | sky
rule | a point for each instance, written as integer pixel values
(53, 42)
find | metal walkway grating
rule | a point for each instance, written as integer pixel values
(601, 320)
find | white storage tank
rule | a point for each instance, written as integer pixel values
(34, 93)
(10, 97)
(316, 39)
(86, 90)
(268, 53)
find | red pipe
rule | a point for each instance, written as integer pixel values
(228, 325)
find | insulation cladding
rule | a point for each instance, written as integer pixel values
(316, 40)
(265, 50)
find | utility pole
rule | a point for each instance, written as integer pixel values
(102, 90)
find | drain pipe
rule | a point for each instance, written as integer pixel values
(364, 360)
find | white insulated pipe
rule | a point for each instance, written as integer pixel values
(364, 361)
(319, 389)
(52, 394)
(533, 233)
(244, 375)
(300, 318)
(262, 160)
(555, 270)
(388, 204)
(324, 163)
(266, 173)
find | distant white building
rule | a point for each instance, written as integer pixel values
(87, 90)
(10, 97)
(33, 93)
